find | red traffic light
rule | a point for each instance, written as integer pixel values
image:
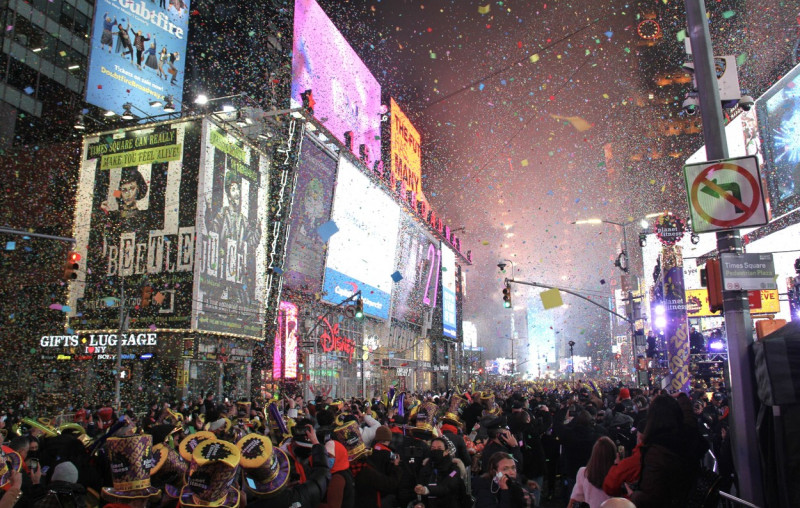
(71, 266)
(73, 257)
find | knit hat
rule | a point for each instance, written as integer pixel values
(65, 472)
(624, 393)
(383, 433)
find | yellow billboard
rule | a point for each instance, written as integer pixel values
(761, 302)
(406, 152)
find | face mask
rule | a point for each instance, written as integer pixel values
(33, 454)
(437, 455)
(331, 460)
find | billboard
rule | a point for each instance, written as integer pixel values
(305, 253)
(779, 123)
(361, 256)
(449, 321)
(137, 53)
(347, 96)
(417, 261)
(231, 258)
(406, 155)
(135, 226)
(284, 366)
(764, 301)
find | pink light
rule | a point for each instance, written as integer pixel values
(289, 311)
(277, 352)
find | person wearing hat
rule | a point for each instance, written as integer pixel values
(341, 491)
(451, 429)
(439, 481)
(500, 440)
(11, 481)
(130, 461)
(299, 450)
(63, 489)
(266, 474)
(378, 477)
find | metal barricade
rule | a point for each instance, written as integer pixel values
(728, 501)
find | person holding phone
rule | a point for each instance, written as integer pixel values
(500, 440)
(500, 485)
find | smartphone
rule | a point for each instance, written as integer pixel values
(33, 464)
(499, 476)
(45, 469)
(251, 483)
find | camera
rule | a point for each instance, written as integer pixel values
(691, 105)
(746, 102)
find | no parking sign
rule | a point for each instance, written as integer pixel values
(725, 194)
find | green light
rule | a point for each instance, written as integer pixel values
(507, 305)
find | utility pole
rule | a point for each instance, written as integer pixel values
(123, 327)
(738, 323)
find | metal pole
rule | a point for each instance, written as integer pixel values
(738, 323)
(19, 232)
(122, 327)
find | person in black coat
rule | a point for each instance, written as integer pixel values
(500, 486)
(500, 440)
(378, 479)
(577, 439)
(439, 482)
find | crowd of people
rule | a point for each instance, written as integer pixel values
(504, 446)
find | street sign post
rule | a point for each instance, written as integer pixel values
(747, 271)
(725, 194)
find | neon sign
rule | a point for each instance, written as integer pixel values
(330, 340)
(289, 311)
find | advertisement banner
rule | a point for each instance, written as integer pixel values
(449, 318)
(418, 262)
(677, 328)
(137, 53)
(305, 252)
(761, 302)
(346, 96)
(231, 258)
(361, 255)
(135, 220)
(406, 155)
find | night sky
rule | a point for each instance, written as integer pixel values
(536, 113)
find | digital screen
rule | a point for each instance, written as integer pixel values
(361, 255)
(305, 255)
(449, 292)
(135, 220)
(406, 154)
(347, 96)
(418, 262)
(231, 216)
(779, 123)
(287, 334)
(138, 50)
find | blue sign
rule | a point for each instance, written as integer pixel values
(449, 312)
(137, 54)
(339, 287)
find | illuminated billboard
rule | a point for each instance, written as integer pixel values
(231, 256)
(449, 323)
(135, 225)
(361, 256)
(284, 357)
(779, 124)
(418, 261)
(406, 156)
(138, 50)
(347, 97)
(305, 252)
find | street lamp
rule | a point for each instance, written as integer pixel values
(571, 345)
(622, 261)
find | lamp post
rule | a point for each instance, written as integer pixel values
(623, 225)
(572, 360)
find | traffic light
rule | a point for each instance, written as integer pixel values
(359, 309)
(71, 266)
(507, 296)
(147, 296)
(714, 277)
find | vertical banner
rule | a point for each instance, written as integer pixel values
(305, 252)
(231, 213)
(677, 327)
(289, 311)
(405, 151)
(135, 220)
(449, 318)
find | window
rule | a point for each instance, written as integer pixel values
(21, 76)
(81, 24)
(67, 18)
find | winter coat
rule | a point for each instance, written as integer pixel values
(489, 495)
(377, 481)
(667, 475)
(443, 482)
(309, 493)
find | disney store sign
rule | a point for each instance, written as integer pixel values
(330, 340)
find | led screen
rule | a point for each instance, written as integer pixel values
(347, 97)
(231, 256)
(779, 123)
(406, 150)
(418, 262)
(305, 255)
(361, 255)
(135, 224)
(449, 292)
(137, 54)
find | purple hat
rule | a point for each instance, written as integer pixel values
(9, 461)
(131, 460)
(168, 470)
(266, 468)
(215, 466)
